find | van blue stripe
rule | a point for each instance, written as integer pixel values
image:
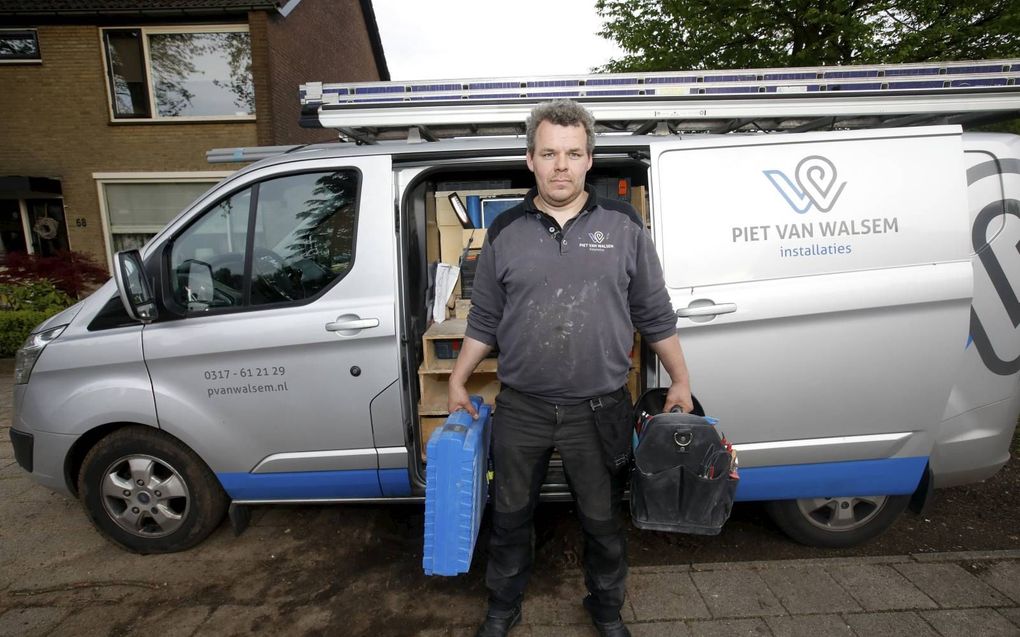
(889, 476)
(303, 485)
(394, 482)
(361, 483)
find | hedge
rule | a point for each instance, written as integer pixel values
(15, 326)
(43, 296)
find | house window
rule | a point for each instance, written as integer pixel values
(137, 206)
(197, 73)
(19, 45)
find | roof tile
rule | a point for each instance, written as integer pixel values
(50, 7)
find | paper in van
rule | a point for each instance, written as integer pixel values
(446, 281)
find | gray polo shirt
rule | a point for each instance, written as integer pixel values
(561, 304)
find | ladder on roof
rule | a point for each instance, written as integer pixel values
(783, 99)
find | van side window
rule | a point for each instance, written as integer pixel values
(304, 235)
(207, 261)
(300, 241)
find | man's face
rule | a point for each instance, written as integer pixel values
(560, 162)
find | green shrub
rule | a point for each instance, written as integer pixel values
(37, 295)
(15, 326)
(24, 305)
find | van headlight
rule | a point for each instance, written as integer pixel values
(26, 357)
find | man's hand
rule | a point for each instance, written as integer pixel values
(679, 395)
(471, 353)
(457, 398)
(671, 355)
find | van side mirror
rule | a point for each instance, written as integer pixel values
(135, 292)
(199, 284)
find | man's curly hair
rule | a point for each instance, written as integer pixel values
(562, 113)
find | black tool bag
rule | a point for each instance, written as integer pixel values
(684, 474)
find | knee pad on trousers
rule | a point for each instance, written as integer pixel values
(597, 528)
(514, 519)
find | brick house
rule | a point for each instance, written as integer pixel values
(109, 106)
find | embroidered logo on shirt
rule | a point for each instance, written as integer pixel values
(598, 242)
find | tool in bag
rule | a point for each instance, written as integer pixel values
(685, 471)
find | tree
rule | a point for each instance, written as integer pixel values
(663, 35)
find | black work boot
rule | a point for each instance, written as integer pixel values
(614, 628)
(611, 628)
(498, 623)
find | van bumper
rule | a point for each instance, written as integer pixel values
(42, 454)
(973, 446)
(22, 443)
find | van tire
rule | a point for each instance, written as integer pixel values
(147, 492)
(814, 521)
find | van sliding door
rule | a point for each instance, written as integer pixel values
(823, 284)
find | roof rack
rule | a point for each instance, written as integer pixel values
(780, 99)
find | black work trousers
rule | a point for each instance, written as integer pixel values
(525, 432)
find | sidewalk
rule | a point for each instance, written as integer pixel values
(945, 594)
(927, 594)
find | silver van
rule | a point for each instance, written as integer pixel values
(847, 301)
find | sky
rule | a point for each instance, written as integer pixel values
(458, 39)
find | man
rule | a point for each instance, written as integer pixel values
(563, 279)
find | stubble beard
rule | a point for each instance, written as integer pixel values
(561, 197)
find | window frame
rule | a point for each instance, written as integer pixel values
(211, 177)
(24, 60)
(147, 61)
(165, 250)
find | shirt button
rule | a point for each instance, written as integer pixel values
(564, 242)
(552, 229)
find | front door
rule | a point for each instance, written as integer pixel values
(287, 283)
(13, 230)
(823, 286)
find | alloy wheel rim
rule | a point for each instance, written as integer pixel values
(145, 496)
(841, 514)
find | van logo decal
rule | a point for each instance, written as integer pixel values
(597, 236)
(997, 274)
(815, 184)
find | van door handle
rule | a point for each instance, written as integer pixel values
(351, 324)
(706, 310)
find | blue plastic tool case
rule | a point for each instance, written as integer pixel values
(457, 462)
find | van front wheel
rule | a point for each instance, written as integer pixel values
(837, 522)
(149, 493)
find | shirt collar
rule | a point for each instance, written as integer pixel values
(589, 205)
